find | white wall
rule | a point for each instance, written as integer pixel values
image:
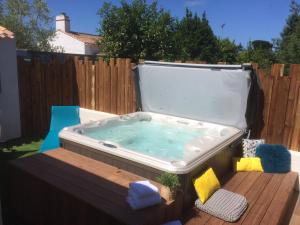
(69, 44)
(9, 95)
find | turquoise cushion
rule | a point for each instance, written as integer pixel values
(61, 116)
(51, 141)
(274, 158)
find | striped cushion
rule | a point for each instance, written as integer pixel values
(225, 205)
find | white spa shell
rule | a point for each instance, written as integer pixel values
(197, 151)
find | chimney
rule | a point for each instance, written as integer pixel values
(63, 22)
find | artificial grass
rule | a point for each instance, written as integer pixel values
(13, 149)
(16, 148)
(20, 147)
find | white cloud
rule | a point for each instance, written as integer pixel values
(192, 3)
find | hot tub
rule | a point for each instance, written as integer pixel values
(166, 143)
(191, 118)
(149, 144)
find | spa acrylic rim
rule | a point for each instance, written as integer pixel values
(176, 166)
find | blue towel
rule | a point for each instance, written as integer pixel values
(175, 222)
(143, 188)
(274, 158)
(145, 202)
(136, 196)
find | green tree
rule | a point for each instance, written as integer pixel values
(195, 38)
(136, 30)
(229, 51)
(288, 45)
(258, 51)
(30, 21)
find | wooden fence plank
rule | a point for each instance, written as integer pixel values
(68, 82)
(295, 133)
(277, 114)
(292, 104)
(120, 86)
(101, 84)
(58, 82)
(43, 109)
(97, 89)
(88, 87)
(114, 84)
(267, 86)
(110, 87)
(106, 87)
(127, 86)
(49, 87)
(81, 83)
(25, 97)
(133, 91)
(35, 91)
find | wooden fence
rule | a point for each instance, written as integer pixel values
(109, 87)
(281, 106)
(98, 85)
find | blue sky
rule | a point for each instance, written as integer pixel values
(244, 19)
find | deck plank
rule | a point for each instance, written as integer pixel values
(267, 194)
(261, 205)
(254, 194)
(280, 200)
(252, 180)
(197, 217)
(248, 185)
(95, 188)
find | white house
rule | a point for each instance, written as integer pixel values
(10, 125)
(71, 41)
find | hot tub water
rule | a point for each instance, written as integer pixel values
(154, 138)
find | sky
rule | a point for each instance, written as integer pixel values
(244, 20)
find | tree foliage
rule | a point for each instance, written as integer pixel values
(143, 31)
(258, 51)
(229, 51)
(136, 30)
(288, 45)
(30, 21)
(195, 38)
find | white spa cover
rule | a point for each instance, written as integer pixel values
(213, 93)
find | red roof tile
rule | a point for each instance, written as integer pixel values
(86, 38)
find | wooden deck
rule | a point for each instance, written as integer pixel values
(293, 217)
(268, 195)
(62, 187)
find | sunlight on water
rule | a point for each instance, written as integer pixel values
(160, 140)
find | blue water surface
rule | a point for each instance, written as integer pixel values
(161, 140)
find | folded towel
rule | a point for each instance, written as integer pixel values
(175, 222)
(143, 188)
(136, 204)
(135, 196)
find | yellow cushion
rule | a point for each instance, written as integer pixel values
(247, 164)
(206, 185)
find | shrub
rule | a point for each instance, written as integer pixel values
(169, 180)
